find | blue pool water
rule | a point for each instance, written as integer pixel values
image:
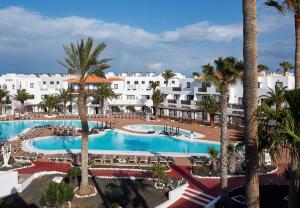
(9, 129)
(115, 140)
(156, 128)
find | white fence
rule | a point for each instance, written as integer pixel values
(174, 195)
(9, 183)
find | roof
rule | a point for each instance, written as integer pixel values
(90, 79)
(115, 78)
(200, 78)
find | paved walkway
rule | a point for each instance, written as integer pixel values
(199, 193)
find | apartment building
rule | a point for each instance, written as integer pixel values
(134, 93)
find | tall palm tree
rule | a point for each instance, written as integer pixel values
(276, 97)
(50, 102)
(292, 6)
(153, 86)
(105, 92)
(286, 134)
(157, 98)
(250, 101)
(286, 66)
(211, 106)
(262, 67)
(3, 94)
(167, 75)
(213, 155)
(65, 96)
(227, 71)
(22, 96)
(196, 74)
(82, 60)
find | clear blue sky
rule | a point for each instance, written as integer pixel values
(142, 35)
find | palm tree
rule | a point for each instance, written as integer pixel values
(276, 97)
(250, 101)
(286, 66)
(65, 96)
(50, 102)
(286, 134)
(262, 67)
(227, 71)
(213, 155)
(3, 94)
(154, 86)
(167, 75)
(104, 92)
(211, 106)
(232, 158)
(196, 74)
(22, 96)
(292, 6)
(82, 60)
(157, 98)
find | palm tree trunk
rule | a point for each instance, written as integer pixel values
(65, 106)
(84, 186)
(250, 102)
(50, 111)
(224, 153)
(22, 108)
(156, 112)
(297, 51)
(212, 120)
(1, 106)
(102, 107)
(293, 199)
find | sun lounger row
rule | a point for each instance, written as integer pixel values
(199, 159)
(128, 115)
(68, 116)
(132, 159)
(31, 157)
(34, 132)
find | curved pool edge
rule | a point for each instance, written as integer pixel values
(197, 135)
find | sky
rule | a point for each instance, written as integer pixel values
(141, 35)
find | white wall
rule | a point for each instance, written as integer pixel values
(9, 183)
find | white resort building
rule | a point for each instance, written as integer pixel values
(134, 93)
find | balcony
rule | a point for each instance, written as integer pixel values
(172, 101)
(176, 89)
(186, 102)
(236, 106)
(202, 89)
(76, 90)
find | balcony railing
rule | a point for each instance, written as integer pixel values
(236, 106)
(76, 90)
(202, 89)
(185, 102)
(176, 88)
(172, 101)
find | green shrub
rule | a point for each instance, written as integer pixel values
(91, 162)
(57, 195)
(73, 173)
(158, 170)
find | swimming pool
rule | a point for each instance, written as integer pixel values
(10, 129)
(159, 128)
(116, 140)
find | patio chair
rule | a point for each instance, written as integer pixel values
(163, 160)
(153, 160)
(143, 159)
(132, 159)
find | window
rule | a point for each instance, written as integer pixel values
(136, 82)
(31, 85)
(145, 97)
(188, 85)
(173, 82)
(143, 82)
(130, 97)
(176, 96)
(150, 82)
(57, 82)
(115, 86)
(51, 82)
(279, 84)
(158, 82)
(44, 82)
(165, 82)
(128, 82)
(259, 84)
(13, 86)
(4, 87)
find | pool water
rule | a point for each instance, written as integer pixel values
(159, 129)
(117, 140)
(9, 129)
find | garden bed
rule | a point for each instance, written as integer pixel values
(125, 167)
